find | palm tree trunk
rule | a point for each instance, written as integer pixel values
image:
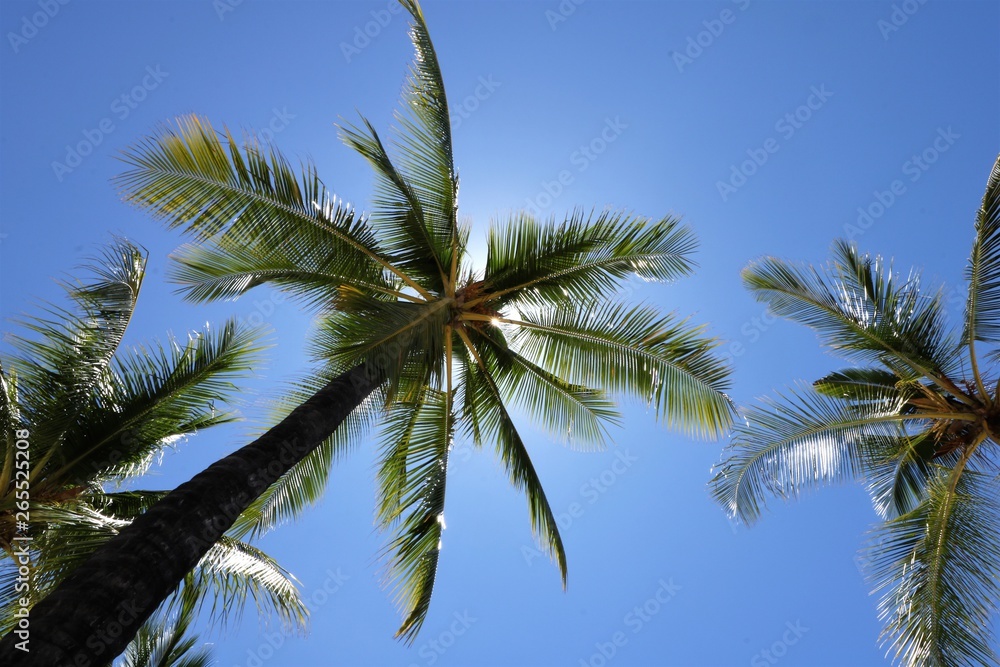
(94, 613)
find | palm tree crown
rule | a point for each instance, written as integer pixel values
(918, 420)
(96, 415)
(541, 326)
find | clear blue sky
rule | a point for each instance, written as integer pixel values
(681, 119)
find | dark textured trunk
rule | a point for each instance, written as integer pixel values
(96, 610)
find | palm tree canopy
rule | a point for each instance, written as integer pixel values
(917, 421)
(97, 414)
(541, 327)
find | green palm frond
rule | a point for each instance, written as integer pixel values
(899, 469)
(125, 505)
(581, 259)
(307, 266)
(205, 183)
(71, 351)
(937, 567)
(860, 308)
(645, 355)
(804, 440)
(398, 212)
(425, 139)
(154, 395)
(982, 312)
(232, 573)
(494, 421)
(398, 435)
(858, 384)
(575, 413)
(412, 555)
(415, 203)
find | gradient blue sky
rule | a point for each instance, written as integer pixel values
(882, 89)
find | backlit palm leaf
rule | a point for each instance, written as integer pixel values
(656, 359)
(582, 258)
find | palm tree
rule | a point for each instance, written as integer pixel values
(409, 335)
(93, 414)
(917, 420)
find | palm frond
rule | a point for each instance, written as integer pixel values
(71, 350)
(982, 311)
(583, 258)
(207, 184)
(412, 555)
(424, 141)
(494, 421)
(898, 470)
(575, 413)
(309, 266)
(123, 505)
(234, 572)
(399, 433)
(637, 352)
(937, 567)
(801, 441)
(860, 308)
(398, 213)
(152, 396)
(853, 384)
